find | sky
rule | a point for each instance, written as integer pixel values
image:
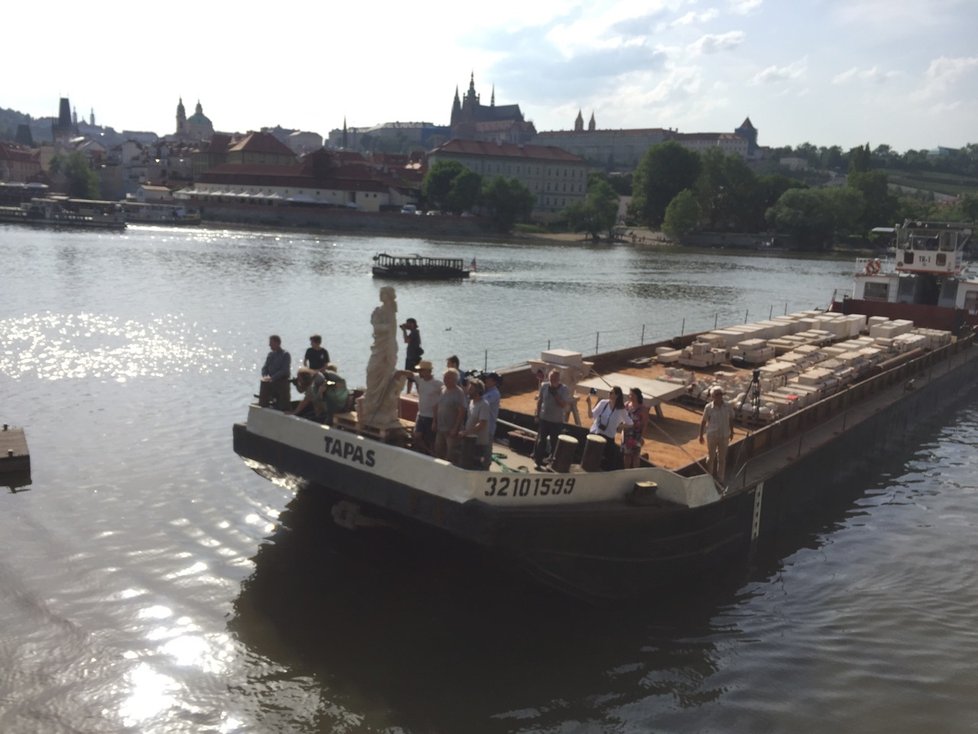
(827, 72)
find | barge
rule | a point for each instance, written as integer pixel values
(817, 395)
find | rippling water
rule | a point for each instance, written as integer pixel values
(152, 583)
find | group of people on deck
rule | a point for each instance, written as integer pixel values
(324, 391)
(449, 411)
(611, 414)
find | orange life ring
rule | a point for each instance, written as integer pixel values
(872, 267)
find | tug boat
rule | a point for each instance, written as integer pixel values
(818, 396)
(926, 281)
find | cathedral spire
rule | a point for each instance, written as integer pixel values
(579, 123)
(492, 99)
(591, 126)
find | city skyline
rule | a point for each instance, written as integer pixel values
(827, 72)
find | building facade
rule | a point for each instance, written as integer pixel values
(557, 179)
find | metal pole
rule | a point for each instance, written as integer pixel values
(548, 345)
(597, 340)
(643, 335)
(770, 313)
(746, 314)
(485, 364)
(682, 331)
(785, 308)
(715, 317)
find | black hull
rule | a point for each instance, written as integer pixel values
(420, 274)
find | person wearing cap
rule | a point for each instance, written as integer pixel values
(412, 337)
(717, 424)
(429, 390)
(492, 398)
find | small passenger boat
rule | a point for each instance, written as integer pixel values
(417, 267)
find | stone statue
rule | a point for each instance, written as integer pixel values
(380, 400)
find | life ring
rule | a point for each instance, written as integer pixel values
(872, 267)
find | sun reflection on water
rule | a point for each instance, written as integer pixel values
(54, 346)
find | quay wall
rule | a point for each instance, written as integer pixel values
(346, 221)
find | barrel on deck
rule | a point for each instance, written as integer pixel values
(566, 449)
(593, 451)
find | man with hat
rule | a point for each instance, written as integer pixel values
(717, 423)
(429, 390)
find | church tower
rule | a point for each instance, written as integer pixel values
(579, 123)
(591, 126)
(181, 118)
(456, 109)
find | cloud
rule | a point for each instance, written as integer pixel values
(774, 74)
(743, 7)
(944, 72)
(640, 26)
(715, 42)
(693, 17)
(873, 75)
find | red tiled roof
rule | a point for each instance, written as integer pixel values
(481, 148)
(261, 143)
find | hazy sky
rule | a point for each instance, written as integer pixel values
(845, 72)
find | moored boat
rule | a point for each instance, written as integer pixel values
(416, 267)
(64, 212)
(926, 281)
(837, 393)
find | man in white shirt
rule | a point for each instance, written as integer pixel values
(429, 390)
(717, 423)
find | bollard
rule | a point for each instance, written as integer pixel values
(564, 455)
(643, 493)
(593, 452)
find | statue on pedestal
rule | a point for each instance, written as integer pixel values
(380, 400)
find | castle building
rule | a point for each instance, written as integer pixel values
(622, 150)
(472, 120)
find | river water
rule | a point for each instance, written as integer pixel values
(151, 582)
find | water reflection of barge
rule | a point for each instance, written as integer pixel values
(842, 391)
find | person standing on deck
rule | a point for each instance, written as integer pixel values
(429, 391)
(449, 417)
(275, 376)
(492, 397)
(553, 398)
(609, 415)
(477, 423)
(412, 337)
(717, 423)
(317, 357)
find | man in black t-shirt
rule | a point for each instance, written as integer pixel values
(316, 355)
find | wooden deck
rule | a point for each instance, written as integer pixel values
(15, 459)
(671, 440)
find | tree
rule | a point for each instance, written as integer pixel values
(507, 202)
(451, 186)
(80, 180)
(682, 214)
(598, 212)
(665, 170)
(881, 206)
(814, 217)
(860, 159)
(724, 190)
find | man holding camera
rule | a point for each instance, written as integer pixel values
(554, 397)
(412, 337)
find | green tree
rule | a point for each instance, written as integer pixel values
(880, 205)
(725, 189)
(665, 170)
(80, 180)
(451, 186)
(815, 217)
(682, 214)
(598, 213)
(507, 202)
(860, 159)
